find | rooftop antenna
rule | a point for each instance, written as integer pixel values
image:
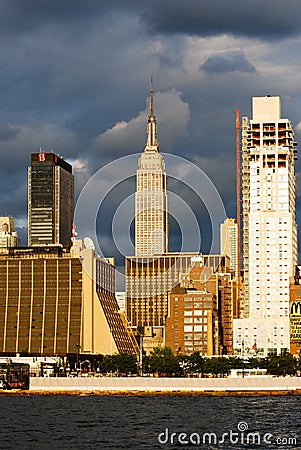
(151, 126)
(151, 105)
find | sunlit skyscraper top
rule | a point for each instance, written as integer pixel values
(151, 200)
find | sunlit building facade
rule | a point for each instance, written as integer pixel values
(269, 229)
(151, 200)
(56, 302)
(192, 322)
(229, 242)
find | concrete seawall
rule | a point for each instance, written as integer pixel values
(168, 385)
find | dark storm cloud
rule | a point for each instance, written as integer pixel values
(227, 62)
(13, 199)
(69, 61)
(74, 79)
(18, 16)
(8, 132)
(271, 19)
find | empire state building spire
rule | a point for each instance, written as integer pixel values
(152, 142)
(151, 198)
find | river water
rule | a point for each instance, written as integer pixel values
(151, 422)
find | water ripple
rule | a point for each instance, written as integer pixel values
(116, 422)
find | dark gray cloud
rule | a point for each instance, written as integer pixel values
(13, 187)
(269, 19)
(8, 132)
(18, 16)
(74, 78)
(266, 19)
(232, 61)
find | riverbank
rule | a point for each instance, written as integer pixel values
(26, 393)
(141, 386)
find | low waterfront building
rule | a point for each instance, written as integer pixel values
(55, 302)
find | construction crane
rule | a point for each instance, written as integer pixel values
(238, 188)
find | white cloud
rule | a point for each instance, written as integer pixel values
(172, 114)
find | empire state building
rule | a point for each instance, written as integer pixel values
(151, 200)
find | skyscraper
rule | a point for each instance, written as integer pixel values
(50, 200)
(151, 201)
(228, 242)
(269, 228)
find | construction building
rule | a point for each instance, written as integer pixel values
(269, 229)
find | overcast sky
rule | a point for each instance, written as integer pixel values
(74, 78)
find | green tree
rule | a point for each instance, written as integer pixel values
(184, 365)
(197, 363)
(217, 366)
(163, 362)
(121, 363)
(257, 363)
(235, 362)
(125, 364)
(282, 365)
(107, 365)
(145, 364)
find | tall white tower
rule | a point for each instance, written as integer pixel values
(269, 228)
(151, 201)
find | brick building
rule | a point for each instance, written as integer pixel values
(192, 322)
(213, 297)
